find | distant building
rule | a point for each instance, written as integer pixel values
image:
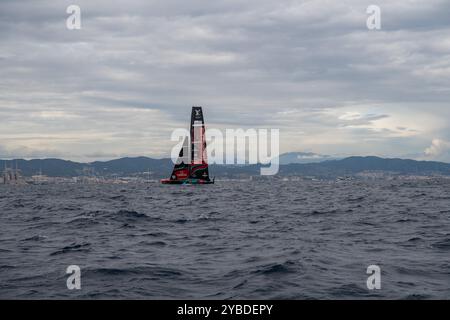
(40, 178)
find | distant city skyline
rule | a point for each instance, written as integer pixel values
(122, 83)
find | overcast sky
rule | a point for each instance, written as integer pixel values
(121, 84)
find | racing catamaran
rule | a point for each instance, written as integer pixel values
(191, 166)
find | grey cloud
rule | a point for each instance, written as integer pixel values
(247, 62)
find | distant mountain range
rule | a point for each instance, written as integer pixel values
(357, 165)
(304, 157)
(158, 168)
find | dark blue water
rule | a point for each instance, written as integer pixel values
(289, 240)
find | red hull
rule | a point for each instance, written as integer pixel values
(187, 181)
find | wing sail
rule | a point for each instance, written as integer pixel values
(199, 162)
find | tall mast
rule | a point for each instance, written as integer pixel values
(197, 135)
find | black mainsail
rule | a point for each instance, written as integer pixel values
(181, 168)
(191, 166)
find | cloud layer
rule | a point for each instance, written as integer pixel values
(122, 83)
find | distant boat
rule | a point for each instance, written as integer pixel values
(12, 176)
(191, 166)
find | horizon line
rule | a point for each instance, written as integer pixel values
(333, 158)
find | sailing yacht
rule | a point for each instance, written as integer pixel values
(191, 166)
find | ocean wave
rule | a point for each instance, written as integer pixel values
(442, 244)
(75, 247)
(278, 268)
(133, 271)
(237, 240)
(35, 238)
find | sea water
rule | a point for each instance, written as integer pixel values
(230, 240)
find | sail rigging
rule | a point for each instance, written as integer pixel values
(191, 166)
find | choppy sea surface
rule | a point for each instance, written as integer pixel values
(231, 240)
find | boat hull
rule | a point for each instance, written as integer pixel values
(187, 181)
